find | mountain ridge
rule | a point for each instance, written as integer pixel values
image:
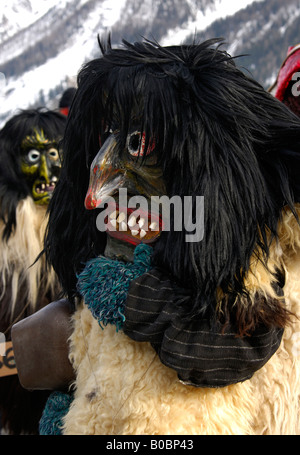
(41, 59)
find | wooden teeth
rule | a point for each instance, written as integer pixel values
(137, 227)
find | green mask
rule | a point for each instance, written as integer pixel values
(41, 165)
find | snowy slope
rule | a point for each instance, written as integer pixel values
(19, 15)
(204, 18)
(43, 43)
(28, 88)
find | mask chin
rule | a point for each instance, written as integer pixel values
(42, 200)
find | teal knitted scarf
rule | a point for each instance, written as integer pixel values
(104, 285)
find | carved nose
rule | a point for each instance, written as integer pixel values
(104, 178)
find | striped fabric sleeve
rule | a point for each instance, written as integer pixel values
(201, 356)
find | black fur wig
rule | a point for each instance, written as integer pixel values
(13, 185)
(218, 134)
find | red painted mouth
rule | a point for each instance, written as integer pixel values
(133, 226)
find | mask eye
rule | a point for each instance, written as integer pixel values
(33, 156)
(133, 144)
(53, 154)
(136, 144)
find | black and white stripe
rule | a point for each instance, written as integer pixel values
(202, 355)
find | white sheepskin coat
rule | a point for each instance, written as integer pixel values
(122, 388)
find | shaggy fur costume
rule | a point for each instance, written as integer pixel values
(151, 399)
(26, 285)
(217, 134)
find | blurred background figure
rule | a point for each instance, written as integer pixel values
(30, 165)
(286, 88)
(66, 100)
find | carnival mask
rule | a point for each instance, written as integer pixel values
(128, 183)
(41, 165)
